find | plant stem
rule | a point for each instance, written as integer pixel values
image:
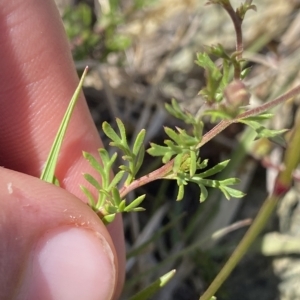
(282, 185)
(237, 23)
(249, 113)
(167, 168)
(256, 227)
(291, 161)
(155, 175)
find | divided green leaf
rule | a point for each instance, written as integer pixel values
(261, 131)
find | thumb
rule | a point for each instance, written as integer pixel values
(52, 245)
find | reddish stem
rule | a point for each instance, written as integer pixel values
(237, 23)
(167, 168)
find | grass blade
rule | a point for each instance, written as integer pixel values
(50, 165)
(154, 287)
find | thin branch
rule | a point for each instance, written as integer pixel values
(249, 113)
(237, 23)
(163, 171)
(155, 175)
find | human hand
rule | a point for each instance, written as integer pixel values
(52, 246)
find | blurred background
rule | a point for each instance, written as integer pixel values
(141, 54)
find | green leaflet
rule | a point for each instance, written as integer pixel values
(109, 201)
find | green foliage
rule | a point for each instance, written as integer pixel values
(175, 110)
(261, 131)
(117, 42)
(213, 92)
(79, 28)
(109, 201)
(218, 77)
(85, 36)
(219, 84)
(134, 156)
(244, 7)
(103, 33)
(218, 80)
(180, 146)
(183, 148)
(200, 179)
(113, 17)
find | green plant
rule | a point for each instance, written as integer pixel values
(103, 34)
(227, 98)
(79, 28)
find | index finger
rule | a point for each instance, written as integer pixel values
(37, 80)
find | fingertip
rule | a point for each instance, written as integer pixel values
(70, 263)
(53, 246)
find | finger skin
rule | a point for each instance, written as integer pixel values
(26, 215)
(37, 80)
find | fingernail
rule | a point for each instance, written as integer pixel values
(70, 263)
